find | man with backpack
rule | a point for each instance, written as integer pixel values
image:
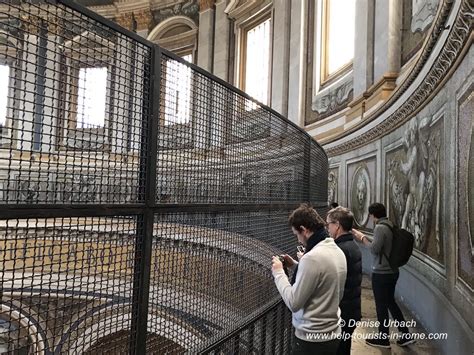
(384, 278)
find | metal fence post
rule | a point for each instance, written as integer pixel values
(143, 253)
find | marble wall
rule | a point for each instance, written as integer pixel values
(423, 171)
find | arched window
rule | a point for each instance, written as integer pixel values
(179, 35)
(337, 40)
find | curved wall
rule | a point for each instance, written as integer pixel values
(416, 154)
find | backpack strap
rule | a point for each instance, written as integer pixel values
(383, 253)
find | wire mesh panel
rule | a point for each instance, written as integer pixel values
(141, 198)
(218, 146)
(211, 272)
(74, 96)
(66, 283)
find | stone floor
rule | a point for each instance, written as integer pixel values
(368, 313)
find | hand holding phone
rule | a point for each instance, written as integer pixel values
(301, 250)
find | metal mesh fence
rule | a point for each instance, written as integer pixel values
(141, 198)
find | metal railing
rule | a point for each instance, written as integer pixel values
(141, 198)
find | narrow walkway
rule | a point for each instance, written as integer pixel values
(369, 314)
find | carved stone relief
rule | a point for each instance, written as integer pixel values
(422, 14)
(73, 188)
(360, 190)
(360, 195)
(332, 185)
(465, 223)
(334, 99)
(414, 178)
(189, 8)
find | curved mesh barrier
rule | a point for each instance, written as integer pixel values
(141, 198)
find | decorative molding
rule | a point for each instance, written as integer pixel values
(144, 19)
(423, 13)
(459, 37)
(167, 24)
(205, 5)
(238, 8)
(125, 20)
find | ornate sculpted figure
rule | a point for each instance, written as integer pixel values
(360, 195)
(413, 180)
(28, 191)
(332, 187)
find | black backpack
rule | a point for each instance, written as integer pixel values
(402, 246)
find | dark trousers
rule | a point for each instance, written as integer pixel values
(312, 348)
(346, 340)
(383, 286)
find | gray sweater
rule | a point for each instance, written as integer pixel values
(381, 247)
(314, 298)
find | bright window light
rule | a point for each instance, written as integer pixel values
(91, 97)
(257, 61)
(178, 91)
(340, 36)
(4, 81)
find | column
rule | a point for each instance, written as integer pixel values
(221, 42)
(206, 34)
(280, 55)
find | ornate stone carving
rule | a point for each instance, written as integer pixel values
(423, 12)
(205, 4)
(360, 195)
(414, 185)
(189, 8)
(144, 19)
(332, 186)
(125, 20)
(455, 42)
(335, 99)
(72, 187)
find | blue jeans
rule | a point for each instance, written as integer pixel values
(383, 286)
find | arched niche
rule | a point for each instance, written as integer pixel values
(177, 34)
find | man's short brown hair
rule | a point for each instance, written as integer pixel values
(306, 216)
(342, 215)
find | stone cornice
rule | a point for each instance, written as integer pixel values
(237, 8)
(459, 37)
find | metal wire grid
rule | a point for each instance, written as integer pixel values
(217, 146)
(270, 334)
(209, 271)
(69, 137)
(318, 180)
(61, 278)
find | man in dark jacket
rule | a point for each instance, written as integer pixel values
(339, 223)
(384, 279)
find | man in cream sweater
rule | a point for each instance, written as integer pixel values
(319, 285)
